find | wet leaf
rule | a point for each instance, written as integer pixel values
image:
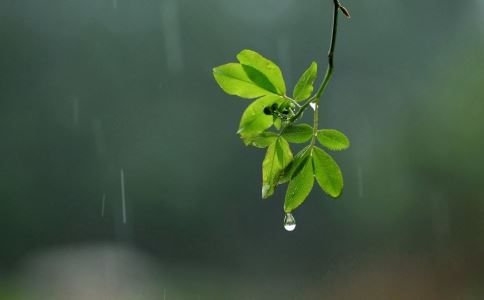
(254, 121)
(333, 139)
(304, 86)
(294, 165)
(263, 140)
(299, 187)
(277, 123)
(278, 157)
(298, 133)
(268, 68)
(233, 79)
(327, 173)
(260, 79)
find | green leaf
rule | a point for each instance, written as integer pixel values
(233, 79)
(333, 139)
(295, 165)
(254, 121)
(260, 79)
(268, 68)
(327, 172)
(263, 140)
(299, 187)
(299, 133)
(278, 157)
(277, 123)
(304, 87)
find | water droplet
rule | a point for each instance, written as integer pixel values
(313, 105)
(289, 222)
(265, 190)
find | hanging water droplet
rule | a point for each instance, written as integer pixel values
(289, 222)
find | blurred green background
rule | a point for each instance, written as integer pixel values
(89, 88)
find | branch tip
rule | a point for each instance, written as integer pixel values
(345, 11)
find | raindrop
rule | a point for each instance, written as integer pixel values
(289, 222)
(313, 105)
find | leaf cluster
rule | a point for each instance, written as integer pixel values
(270, 122)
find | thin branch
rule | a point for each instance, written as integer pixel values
(329, 70)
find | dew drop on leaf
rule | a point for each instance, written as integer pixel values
(289, 222)
(265, 190)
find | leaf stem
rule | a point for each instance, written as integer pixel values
(327, 77)
(315, 124)
(301, 110)
(292, 101)
(329, 70)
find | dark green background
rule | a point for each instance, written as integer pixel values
(90, 87)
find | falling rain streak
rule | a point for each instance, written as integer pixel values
(172, 33)
(103, 205)
(123, 196)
